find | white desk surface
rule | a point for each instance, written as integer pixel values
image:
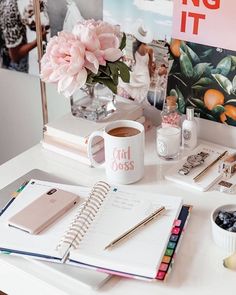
(198, 265)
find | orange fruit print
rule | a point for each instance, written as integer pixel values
(212, 98)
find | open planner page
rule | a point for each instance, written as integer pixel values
(140, 254)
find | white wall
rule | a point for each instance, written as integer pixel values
(20, 113)
(21, 122)
(217, 133)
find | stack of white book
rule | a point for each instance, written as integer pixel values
(69, 135)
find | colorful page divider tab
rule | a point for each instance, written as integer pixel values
(177, 232)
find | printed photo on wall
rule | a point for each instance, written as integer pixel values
(147, 24)
(204, 77)
(18, 44)
(18, 28)
(204, 69)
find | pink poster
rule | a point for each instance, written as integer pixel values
(209, 22)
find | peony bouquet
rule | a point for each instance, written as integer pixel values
(91, 54)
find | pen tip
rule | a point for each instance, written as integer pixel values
(108, 247)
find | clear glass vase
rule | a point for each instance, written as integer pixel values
(97, 104)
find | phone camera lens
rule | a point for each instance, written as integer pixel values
(52, 191)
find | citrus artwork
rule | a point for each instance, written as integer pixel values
(204, 77)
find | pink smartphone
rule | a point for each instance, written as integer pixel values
(43, 211)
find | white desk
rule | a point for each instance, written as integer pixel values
(198, 266)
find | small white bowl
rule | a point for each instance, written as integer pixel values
(223, 238)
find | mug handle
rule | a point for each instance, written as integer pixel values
(89, 148)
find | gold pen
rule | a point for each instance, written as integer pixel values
(209, 166)
(136, 227)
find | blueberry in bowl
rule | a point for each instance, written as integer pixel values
(223, 220)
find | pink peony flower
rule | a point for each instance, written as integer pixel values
(70, 58)
(98, 37)
(104, 27)
(65, 63)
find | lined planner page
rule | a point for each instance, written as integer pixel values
(140, 254)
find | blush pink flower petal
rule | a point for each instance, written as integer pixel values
(71, 89)
(81, 78)
(100, 57)
(64, 83)
(108, 40)
(91, 62)
(87, 36)
(112, 54)
(104, 27)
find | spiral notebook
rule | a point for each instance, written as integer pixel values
(106, 214)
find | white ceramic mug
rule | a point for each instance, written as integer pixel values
(124, 156)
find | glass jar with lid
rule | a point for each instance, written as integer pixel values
(170, 116)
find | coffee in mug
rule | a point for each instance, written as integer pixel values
(123, 131)
(124, 151)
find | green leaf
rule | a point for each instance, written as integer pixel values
(183, 46)
(124, 71)
(206, 54)
(196, 102)
(230, 121)
(189, 51)
(209, 117)
(225, 65)
(173, 92)
(224, 82)
(231, 102)
(113, 67)
(107, 82)
(204, 82)
(114, 72)
(234, 86)
(199, 88)
(123, 42)
(217, 111)
(105, 70)
(186, 65)
(234, 82)
(178, 77)
(200, 70)
(89, 79)
(192, 55)
(233, 57)
(215, 71)
(181, 101)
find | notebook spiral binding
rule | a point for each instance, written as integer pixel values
(87, 212)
